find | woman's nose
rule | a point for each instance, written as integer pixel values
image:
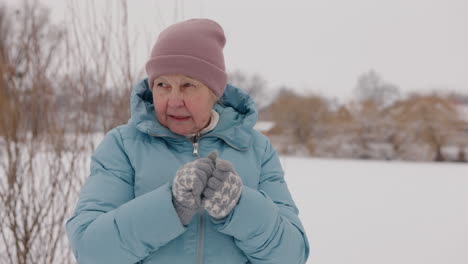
(175, 100)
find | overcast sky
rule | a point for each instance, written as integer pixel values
(324, 45)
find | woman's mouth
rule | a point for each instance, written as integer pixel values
(179, 118)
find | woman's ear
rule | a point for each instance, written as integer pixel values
(215, 99)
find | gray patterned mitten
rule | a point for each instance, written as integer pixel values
(189, 183)
(223, 190)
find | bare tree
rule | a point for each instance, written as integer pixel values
(55, 86)
(106, 68)
(430, 120)
(461, 154)
(254, 85)
(298, 117)
(35, 182)
(371, 87)
(365, 130)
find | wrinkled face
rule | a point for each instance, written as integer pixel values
(182, 104)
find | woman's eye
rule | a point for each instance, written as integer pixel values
(162, 85)
(188, 85)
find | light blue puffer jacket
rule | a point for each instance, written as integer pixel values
(125, 212)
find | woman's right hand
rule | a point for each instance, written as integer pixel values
(189, 183)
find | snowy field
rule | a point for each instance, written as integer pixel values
(370, 212)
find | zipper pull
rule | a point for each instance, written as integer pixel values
(195, 149)
(195, 143)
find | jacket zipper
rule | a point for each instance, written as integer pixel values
(195, 149)
(200, 238)
(195, 140)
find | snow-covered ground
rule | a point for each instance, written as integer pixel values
(368, 212)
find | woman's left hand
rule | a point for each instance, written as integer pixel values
(223, 189)
(189, 183)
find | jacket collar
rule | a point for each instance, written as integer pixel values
(237, 116)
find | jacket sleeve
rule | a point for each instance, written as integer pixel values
(265, 222)
(110, 225)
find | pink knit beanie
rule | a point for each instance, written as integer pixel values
(194, 48)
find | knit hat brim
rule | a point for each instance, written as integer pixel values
(210, 75)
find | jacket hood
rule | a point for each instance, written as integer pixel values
(237, 115)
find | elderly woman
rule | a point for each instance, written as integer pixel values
(188, 179)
